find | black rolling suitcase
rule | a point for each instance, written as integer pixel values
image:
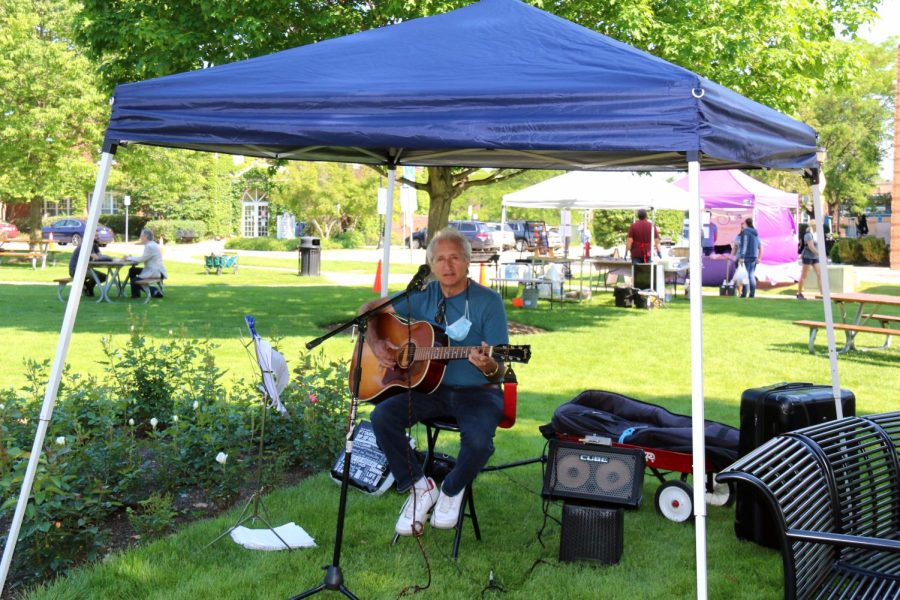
(765, 413)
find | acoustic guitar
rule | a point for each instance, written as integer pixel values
(422, 358)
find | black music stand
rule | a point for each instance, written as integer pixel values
(270, 392)
(334, 577)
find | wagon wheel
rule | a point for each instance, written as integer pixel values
(722, 494)
(674, 501)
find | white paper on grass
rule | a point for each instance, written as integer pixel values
(265, 539)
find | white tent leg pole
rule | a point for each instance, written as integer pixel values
(388, 219)
(59, 362)
(698, 421)
(826, 293)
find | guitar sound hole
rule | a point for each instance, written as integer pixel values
(405, 355)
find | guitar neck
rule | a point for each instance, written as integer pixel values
(446, 352)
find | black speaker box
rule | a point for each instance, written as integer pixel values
(624, 297)
(590, 472)
(591, 533)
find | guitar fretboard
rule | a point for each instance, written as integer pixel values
(446, 353)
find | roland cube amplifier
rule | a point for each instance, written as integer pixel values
(597, 474)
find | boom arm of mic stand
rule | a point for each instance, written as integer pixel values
(358, 320)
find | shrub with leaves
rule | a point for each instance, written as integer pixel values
(873, 250)
(155, 517)
(319, 397)
(159, 419)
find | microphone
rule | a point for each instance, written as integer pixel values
(418, 281)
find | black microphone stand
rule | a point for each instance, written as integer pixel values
(334, 578)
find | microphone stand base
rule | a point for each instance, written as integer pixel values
(334, 581)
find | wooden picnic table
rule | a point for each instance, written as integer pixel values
(34, 251)
(866, 314)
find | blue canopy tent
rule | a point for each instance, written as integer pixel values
(495, 84)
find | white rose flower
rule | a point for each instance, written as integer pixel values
(131, 422)
(174, 418)
(61, 440)
(196, 405)
(221, 458)
(154, 422)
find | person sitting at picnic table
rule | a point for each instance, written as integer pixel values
(89, 282)
(153, 265)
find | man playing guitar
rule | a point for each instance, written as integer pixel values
(472, 315)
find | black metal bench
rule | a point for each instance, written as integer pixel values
(834, 493)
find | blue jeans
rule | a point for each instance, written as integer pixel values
(750, 265)
(477, 411)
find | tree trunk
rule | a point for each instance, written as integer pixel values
(440, 196)
(34, 219)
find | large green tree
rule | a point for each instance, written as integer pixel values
(775, 51)
(50, 109)
(853, 120)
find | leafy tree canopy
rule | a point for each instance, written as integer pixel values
(50, 111)
(778, 52)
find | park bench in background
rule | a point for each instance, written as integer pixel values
(834, 494)
(850, 330)
(186, 236)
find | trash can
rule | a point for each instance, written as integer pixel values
(310, 256)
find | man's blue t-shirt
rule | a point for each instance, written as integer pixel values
(486, 313)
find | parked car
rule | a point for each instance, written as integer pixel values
(478, 234)
(419, 238)
(8, 231)
(503, 235)
(71, 231)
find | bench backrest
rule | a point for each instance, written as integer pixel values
(839, 476)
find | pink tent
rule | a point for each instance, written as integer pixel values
(732, 196)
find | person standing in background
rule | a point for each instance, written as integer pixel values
(810, 258)
(639, 235)
(749, 253)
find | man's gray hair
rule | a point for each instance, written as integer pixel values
(147, 233)
(449, 234)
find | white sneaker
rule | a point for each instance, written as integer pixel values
(416, 508)
(446, 513)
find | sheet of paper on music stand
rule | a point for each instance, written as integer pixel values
(275, 372)
(265, 539)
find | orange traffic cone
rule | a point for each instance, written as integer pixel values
(376, 287)
(482, 277)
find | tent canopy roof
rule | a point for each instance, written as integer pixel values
(732, 189)
(495, 84)
(589, 190)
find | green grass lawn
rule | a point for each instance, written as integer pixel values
(588, 346)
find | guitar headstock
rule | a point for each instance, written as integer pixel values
(507, 353)
(251, 325)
